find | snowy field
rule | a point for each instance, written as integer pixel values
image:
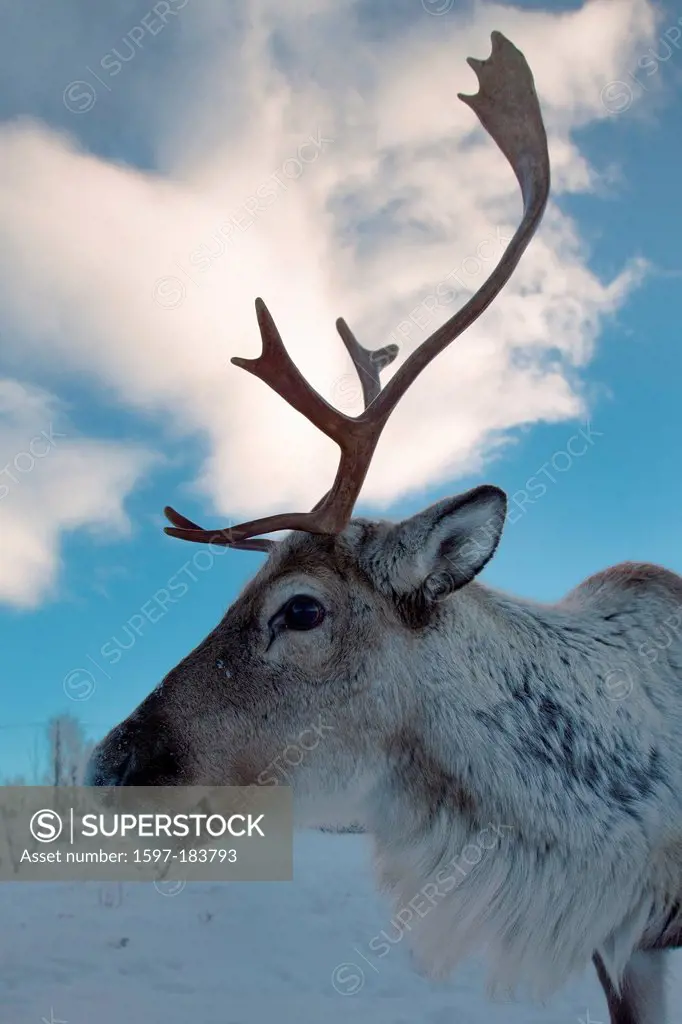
(242, 953)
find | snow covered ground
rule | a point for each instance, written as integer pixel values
(241, 953)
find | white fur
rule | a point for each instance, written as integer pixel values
(458, 713)
(578, 873)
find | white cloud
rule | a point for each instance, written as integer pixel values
(52, 481)
(407, 193)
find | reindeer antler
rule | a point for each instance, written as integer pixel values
(507, 107)
(368, 365)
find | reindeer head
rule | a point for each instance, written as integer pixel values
(321, 663)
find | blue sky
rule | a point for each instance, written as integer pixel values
(82, 355)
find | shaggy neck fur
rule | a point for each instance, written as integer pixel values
(526, 808)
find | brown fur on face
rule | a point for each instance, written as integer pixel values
(252, 690)
(238, 700)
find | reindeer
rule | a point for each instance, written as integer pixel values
(454, 707)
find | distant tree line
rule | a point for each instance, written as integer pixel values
(66, 750)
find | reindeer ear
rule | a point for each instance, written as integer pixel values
(444, 547)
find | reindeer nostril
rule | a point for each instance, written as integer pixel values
(139, 752)
(111, 760)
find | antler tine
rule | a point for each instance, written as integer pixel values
(507, 107)
(367, 362)
(186, 527)
(275, 368)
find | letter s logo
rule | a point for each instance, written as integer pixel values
(46, 826)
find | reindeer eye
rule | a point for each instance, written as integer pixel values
(302, 612)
